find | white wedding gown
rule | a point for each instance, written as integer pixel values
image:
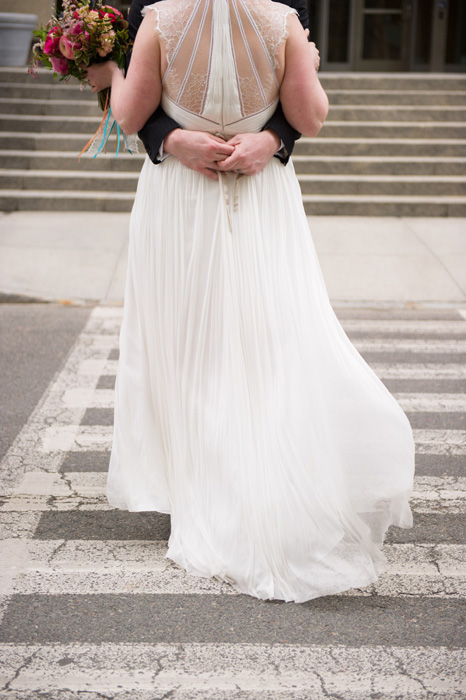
(241, 407)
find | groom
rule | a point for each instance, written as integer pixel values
(201, 151)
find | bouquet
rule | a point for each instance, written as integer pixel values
(86, 32)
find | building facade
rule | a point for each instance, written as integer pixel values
(390, 35)
(382, 35)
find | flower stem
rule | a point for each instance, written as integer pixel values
(104, 98)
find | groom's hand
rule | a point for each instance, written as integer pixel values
(252, 152)
(198, 150)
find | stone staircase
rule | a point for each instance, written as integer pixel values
(393, 145)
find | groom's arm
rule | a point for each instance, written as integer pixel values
(301, 8)
(287, 135)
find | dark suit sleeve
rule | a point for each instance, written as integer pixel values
(301, 7)
(159, 125)
(285, 131)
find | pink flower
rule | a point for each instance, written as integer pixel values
(111, 13)
(105, 49)
(77, 28)
(51, 45)
(66, 48)
(107, 41)
(59, 65)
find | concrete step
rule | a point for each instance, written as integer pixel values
(85, 180)
(394, 144)
(395, 97)
(323, 205)
(333, 129)
(49, 124)
(57, 91)
(391, 129)
(326, 165)
(33, 141)
(412, 185)
(67, 91)
(91, 181)
(20, 74)
(341, 113)
(393, 81)
(351, 205)
(51, 107)
(9, 74)
(381, 147)
(375, 147)
(66, 160)
(65, 200)
(344, 80)
(367, 165)
(404, 113)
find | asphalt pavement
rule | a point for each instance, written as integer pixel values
(91, 608)
(89, 605)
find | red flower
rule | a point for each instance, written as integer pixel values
(77, 28)
(51, 46)
(113, 14)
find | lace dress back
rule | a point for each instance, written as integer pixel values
(222, 61)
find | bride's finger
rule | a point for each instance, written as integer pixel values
(208, 172)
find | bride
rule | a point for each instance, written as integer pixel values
(241, 407)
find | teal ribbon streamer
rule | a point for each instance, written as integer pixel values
(105, 135)
(108, 128)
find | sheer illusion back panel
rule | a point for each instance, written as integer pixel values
(222, 55)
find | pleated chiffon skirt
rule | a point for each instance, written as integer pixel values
(241, 407)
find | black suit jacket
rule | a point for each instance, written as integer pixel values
(160, 124)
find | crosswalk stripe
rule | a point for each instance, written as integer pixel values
(86, 491)
(432, 328)
(432, 402)
(99, 438)
(405, 371)
(58, 567)
(418, 345)
(212, 670)
(89, 398)
(440, 442)
(86, 483)
(105, 398)
(98, 368)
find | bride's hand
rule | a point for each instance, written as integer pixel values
(197, 150)
(252, 152)
(100, 75)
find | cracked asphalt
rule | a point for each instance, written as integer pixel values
(91, 608)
